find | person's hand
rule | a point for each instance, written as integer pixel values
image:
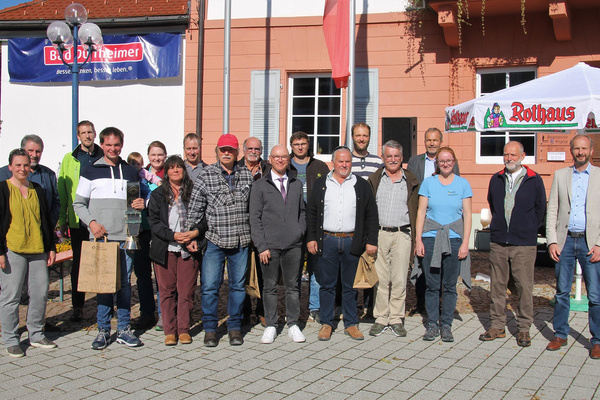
(180, 237)
(265, 256)
(97, 230)
(138, 204)
(419, 248)
(192, 246)
(463, 251)
(595, 252)
(64, 230)
(312, 247)
(371, 250)
(2, 261)
(51, 258)
(187, 236)
(555, 252)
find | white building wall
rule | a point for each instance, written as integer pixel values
(295, 8)
(144, 110)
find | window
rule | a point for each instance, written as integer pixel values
(490, 145)
(315, 107)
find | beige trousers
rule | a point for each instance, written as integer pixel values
(393, 258)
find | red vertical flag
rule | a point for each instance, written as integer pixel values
(336, 27)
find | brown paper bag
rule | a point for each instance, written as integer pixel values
(252, 285)
(366, 275)
(99, 269)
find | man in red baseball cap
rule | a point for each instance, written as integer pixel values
(220, 196)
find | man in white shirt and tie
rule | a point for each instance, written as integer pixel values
(277, 227)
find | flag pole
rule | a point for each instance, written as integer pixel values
(351, 68)
(226, 62)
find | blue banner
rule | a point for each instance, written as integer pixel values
(156, 55)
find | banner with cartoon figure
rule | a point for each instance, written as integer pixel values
(563, 101)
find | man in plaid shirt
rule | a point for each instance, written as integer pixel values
(220, 195)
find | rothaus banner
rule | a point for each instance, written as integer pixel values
(121, 57)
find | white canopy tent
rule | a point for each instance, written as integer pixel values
(563, 101)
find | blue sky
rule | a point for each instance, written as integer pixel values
(10, 3)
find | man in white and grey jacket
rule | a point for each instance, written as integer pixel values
(100, 203)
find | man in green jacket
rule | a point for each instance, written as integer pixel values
(68, 178)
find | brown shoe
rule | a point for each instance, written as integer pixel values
(595, 353)
(556, 344)
(354, 333)
(325, 332)
(170, 340)
(492, 334)
(523, 339)
(263, 321)
(185, 338)
(236, 338)
(210, 339)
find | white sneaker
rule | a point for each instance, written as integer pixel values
(296, 334)
(269, 335)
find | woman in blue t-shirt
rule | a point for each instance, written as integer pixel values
(442, 239)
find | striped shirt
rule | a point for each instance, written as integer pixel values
(365, 166)
(392, 202)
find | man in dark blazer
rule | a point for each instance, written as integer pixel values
(423, 166)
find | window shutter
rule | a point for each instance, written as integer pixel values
(366, 102)
(264, 108)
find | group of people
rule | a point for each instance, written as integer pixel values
(281, 215)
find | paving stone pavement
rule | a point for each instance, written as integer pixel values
(378, 367)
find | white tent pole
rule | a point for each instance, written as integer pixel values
(578, 273)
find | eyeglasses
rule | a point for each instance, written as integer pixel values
(445, 161)
(279, 157)
(253, 148)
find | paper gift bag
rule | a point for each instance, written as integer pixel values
(366, 275)
(99, 269)
(252, 284)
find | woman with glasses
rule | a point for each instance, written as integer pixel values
(175, 267)
(26, 251)
(442, 240)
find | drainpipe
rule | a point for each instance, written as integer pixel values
(200, 68)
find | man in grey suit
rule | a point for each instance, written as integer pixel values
(277, 227)
(573, 233)
(423, 166)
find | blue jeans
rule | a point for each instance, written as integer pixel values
(212, 278)
(314, 287)
(576, 249)
(445, 278)
(105, 300)
(337, 260)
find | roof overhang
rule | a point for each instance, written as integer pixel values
(35, 28)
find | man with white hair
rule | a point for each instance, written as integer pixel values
(397, 196)
(517, 200)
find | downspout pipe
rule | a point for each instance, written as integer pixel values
(200, 68)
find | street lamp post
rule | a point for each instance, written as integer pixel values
(90, 36)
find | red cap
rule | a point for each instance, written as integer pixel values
(228, 140)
